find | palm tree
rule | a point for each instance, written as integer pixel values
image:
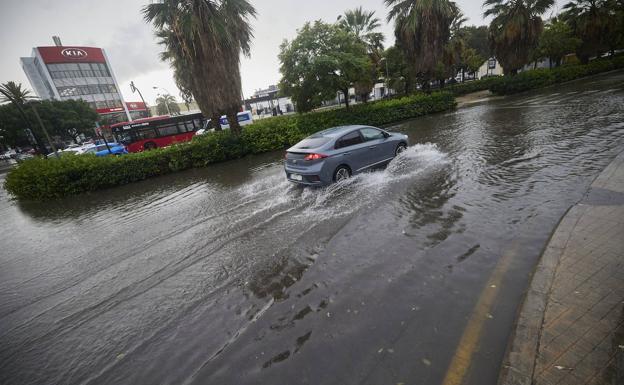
(365, 26)
(592, 22)
(515, 30)
(13, 92)
(203, 40)
(422, 29)
(167, 104)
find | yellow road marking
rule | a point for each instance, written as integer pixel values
(469, 341)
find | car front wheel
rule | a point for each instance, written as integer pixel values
(400, 148)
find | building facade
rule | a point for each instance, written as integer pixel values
(63, 73)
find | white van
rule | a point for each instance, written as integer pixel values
(244, 119)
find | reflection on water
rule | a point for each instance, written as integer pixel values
(168, 280)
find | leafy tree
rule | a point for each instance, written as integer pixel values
(66, 119)
(167, 104)
(557, 41)
(320, 61)
(515, 30)
(472, 60)
(594, 22)
(12, 127)
(203, 40)
(422, 29)
(399, 76)
(477, 39)
(18, 97)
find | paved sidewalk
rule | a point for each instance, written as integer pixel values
(571, 327)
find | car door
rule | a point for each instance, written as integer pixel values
(377, 145)
(354, 151)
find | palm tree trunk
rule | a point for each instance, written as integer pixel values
(235, 127)
(216, 121)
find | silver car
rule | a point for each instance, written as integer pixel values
(340, 152)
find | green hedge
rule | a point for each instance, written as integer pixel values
(43, 179)
(469, 87)
(544, 77)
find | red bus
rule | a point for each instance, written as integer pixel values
(161, 131)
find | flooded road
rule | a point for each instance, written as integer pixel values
(230, 275)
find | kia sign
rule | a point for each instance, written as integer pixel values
(71, 55)
(74, 53)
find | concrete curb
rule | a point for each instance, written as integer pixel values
(518, 365)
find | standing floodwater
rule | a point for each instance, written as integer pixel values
(231, 275)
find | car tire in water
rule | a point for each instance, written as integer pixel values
(400, 148)
(149, 146)
(342, 173)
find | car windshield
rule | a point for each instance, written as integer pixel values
(312, 142)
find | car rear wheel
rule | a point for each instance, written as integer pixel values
(400, 148)
(342, 173)
(149, 146)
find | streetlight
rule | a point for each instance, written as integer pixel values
(166, 102)
(387, 76)
(134, 88)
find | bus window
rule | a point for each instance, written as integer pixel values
(181, 127)
(146, 133)
(170, 129)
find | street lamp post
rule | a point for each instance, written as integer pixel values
(166, 102)
(134, 88)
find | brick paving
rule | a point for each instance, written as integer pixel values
(571, 328)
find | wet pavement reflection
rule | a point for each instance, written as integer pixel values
(230, 275)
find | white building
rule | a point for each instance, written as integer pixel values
(490, 67)
(70, 72)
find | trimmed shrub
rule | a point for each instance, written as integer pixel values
(469, 87)
(42, 179)
(544, 77)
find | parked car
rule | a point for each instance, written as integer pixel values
(103, 150)
(340, 152)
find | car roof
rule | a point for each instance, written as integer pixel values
(338, 131)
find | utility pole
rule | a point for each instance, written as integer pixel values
(45, 132)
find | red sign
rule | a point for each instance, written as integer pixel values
(136, 106)
(71, 55)
(109, 110)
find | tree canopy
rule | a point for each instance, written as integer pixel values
(167, 104)
(63, 119)
(203, 40)
(321, 60)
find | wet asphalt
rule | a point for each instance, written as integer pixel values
(231, 275)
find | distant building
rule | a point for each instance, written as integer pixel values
(70, 72)
(490, 67)
(267, 102)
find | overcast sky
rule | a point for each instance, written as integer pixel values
(118, 27)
